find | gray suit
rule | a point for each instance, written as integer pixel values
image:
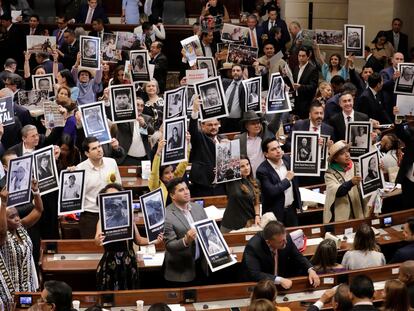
(179, 260)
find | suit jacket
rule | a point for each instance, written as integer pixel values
(374, 63)
(242, 93)
(407, 136)
(259, 263)
(59, 41)
(390, 99)
(356, 79)
(38, 31)
(303, 125)
(402, 43)
(12, 45)
(273, 196)
(373, 107)
(282, 25)
(364, 308)
(306, 92)
(179, 263)
(403, 254)
(99, 12)
(160, 70)
(126, 131)
(338, 124)
(70, 52)
(259, 33)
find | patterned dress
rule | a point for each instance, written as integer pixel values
(6, 287)
(118, 268)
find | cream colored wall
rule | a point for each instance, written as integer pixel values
(403, 9)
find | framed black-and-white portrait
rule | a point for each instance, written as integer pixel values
(214, 247)
(44, 82)
(190, 96)
(115, 213)
(358, 136)
(123, 105)
(174, 103)
(33, 99)
(6, 111)
(207, 63)
(90, 50)
(175, 151)
(19, 179)
(94, 121)
(45, 170)
(371, 174)
(139, 61)
(213, 99)
(126, 41)
(108, 48)
(405, 82)
(277, 99)
(253, 94)
(71, 192)
(305, 158)
(242, 54)
(153, 210)
(234, 33)
(227, 161)
(324, 151)
(354, 40)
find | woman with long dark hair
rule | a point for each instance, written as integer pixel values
(324, 259)
(333, 67)
(395, 296)
(243, 200)
(381, 48)
(65, 78)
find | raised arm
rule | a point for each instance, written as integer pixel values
(37, 211)
(318, 54)
(159, 32)
(26, 66)
(154, 178)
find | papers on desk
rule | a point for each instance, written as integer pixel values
(314, 241)
(155, 260)
(91, 256)
(176, 307)
(398, 228)
(308, 195)
(379, 285)
(222, 304)
(301, 296)
(214, 213)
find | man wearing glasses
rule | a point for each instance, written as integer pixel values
(56, 294)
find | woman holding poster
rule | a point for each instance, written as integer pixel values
(118, 268)
(343, 193)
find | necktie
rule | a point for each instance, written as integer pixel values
(231, 97)
(315, 129)
(59, 35)
(348, 118)
(275, 257)
(89, 16)
(272, 24)
(253, 40)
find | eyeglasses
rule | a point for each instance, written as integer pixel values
(41, 300)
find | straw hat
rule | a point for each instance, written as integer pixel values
(337, 147)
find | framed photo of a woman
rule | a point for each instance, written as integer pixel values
(358, 136)
(372, 176)
(174, 132)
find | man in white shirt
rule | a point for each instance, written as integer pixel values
(99, 171)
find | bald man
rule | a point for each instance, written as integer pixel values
(406, 276)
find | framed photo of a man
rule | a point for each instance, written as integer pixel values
(71, 192)
(405, 82)
(174, 132)
(139, 61)
(277, 100)
(44, 82)
(90, 49)
(174, 103)
(358, 135)
(213, 99)
(115, 213)
(45, 169)
(94, 121)
(305, 158)
(123, 106)
(354, 40)
(153, 210)
(372, 177)
(213, 245)
(253, 93)
(18, 180)
(207, 63)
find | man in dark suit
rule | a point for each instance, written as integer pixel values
(362, 293)
(98, 28)
(305, 77)
(398, 39)
(161, 64)
(280, 192)
(407, 252)
(389, 75)
(348, 114)
(207, 44)
(10, 66)
(137, 132)
(12, 43)
(272, 255)
(62, 24)
(184, 261)
(69, 50)
(203, 155)
(34, 29)
(332, 105)
(371, 61)
(371, 102)
(235, 95)
(90, 11)
(255, 33)
(275, 21)
(43, 58)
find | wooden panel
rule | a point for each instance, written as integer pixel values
(112, 8)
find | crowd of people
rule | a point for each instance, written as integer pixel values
(326, 95)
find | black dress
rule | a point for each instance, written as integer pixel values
(240, 205)
(118, 268)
